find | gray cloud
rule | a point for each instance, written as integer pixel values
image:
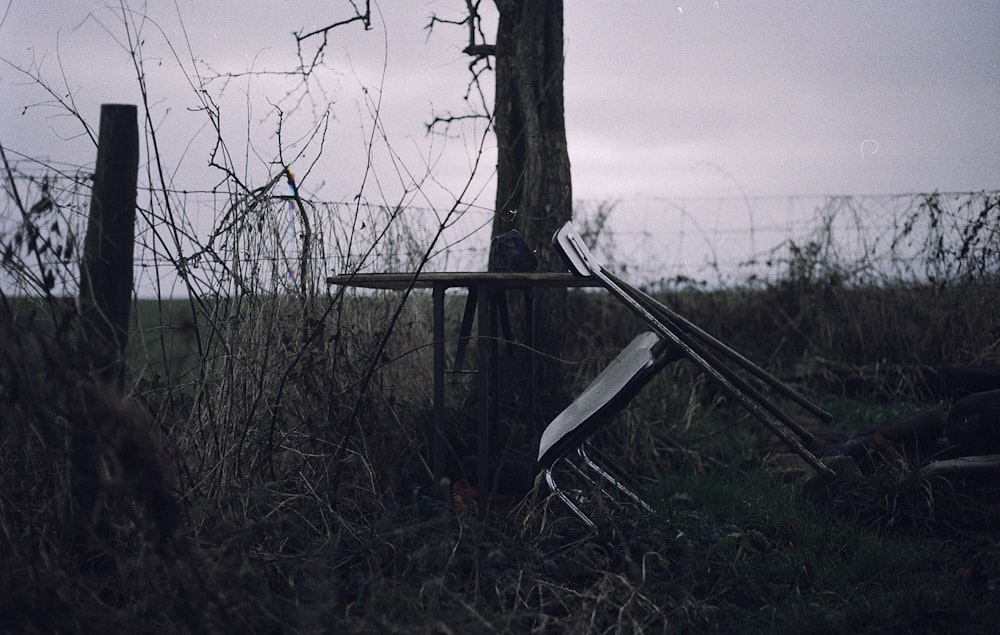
(778, 94)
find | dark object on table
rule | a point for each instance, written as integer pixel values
(511, 254)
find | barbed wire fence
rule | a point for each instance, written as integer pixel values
(912, 238)
(221, 242)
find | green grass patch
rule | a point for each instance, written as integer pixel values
(774, 561)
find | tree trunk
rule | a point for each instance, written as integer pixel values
(533, 173)
(534, 193)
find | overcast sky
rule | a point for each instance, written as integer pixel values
(679, 98)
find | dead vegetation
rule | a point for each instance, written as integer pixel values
(266, 469)
(262, 482)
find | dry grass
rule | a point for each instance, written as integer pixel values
(270, 489)
(266, 470)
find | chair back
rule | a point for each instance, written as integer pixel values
(606, 395)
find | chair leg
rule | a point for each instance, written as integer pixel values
(611, 479)
(602, 473)
(566, 499)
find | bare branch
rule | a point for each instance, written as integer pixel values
(447, 120)
(477, 46)
(480, 51)
(13, 183)
(435, 19)
(63, 99)
(364, 17)
(476, 27)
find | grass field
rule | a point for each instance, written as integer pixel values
(267, 472)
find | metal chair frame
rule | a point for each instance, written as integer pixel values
(600, 402)
(672, 337)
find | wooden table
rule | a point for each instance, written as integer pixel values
(483, 289)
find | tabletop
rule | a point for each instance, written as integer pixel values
(426, 280)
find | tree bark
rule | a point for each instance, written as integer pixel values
(534, 192)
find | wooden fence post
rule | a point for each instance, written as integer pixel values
(106, 270)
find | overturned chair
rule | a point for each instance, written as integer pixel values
(672, 337)
(596, 406)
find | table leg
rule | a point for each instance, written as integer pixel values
(529, 328)
(498, 299)
(465, 332)
(440, 487)
(486, 329)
